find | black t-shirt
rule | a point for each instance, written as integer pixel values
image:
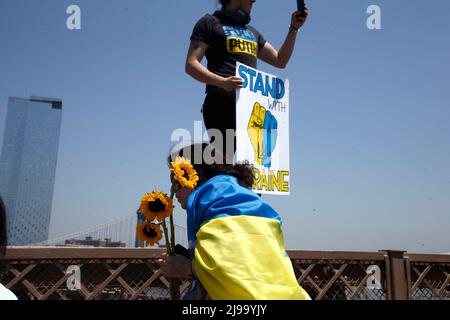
(228, 42)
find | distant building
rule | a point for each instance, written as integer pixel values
(140, 219)
(28, 166)
(90, 242)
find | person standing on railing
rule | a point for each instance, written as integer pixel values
(5, 294)
(224, 38)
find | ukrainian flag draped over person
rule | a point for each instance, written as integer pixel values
(237, 244)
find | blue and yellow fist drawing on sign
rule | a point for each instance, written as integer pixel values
(263, 132)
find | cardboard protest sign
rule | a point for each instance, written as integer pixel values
(262, 129)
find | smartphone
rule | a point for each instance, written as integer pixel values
(300, 5)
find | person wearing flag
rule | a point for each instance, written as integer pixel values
(236, 243)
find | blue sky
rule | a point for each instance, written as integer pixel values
(370, 111)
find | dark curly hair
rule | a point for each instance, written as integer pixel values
(3, 238)
(207, 168)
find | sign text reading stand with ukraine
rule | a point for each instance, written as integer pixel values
(262, 129)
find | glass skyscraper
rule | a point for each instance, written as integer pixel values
(28, 166)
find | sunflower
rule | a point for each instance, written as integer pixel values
(184, 173)
(151, 233)
(156, 205)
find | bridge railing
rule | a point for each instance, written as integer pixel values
(47, 273)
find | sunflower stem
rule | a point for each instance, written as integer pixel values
(173, 288)
(174, 282)
(166, 237)
(172, 224)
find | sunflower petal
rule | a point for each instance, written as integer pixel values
(184, 173)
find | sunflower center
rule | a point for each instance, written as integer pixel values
(150, 232)
(156, 206)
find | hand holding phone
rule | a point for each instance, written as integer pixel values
(299, 17)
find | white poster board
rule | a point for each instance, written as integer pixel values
(262, 129)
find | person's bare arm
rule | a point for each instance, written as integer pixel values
(281, 57)
(273, 57)
(198, 71)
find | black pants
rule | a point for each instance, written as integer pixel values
(219, 112)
